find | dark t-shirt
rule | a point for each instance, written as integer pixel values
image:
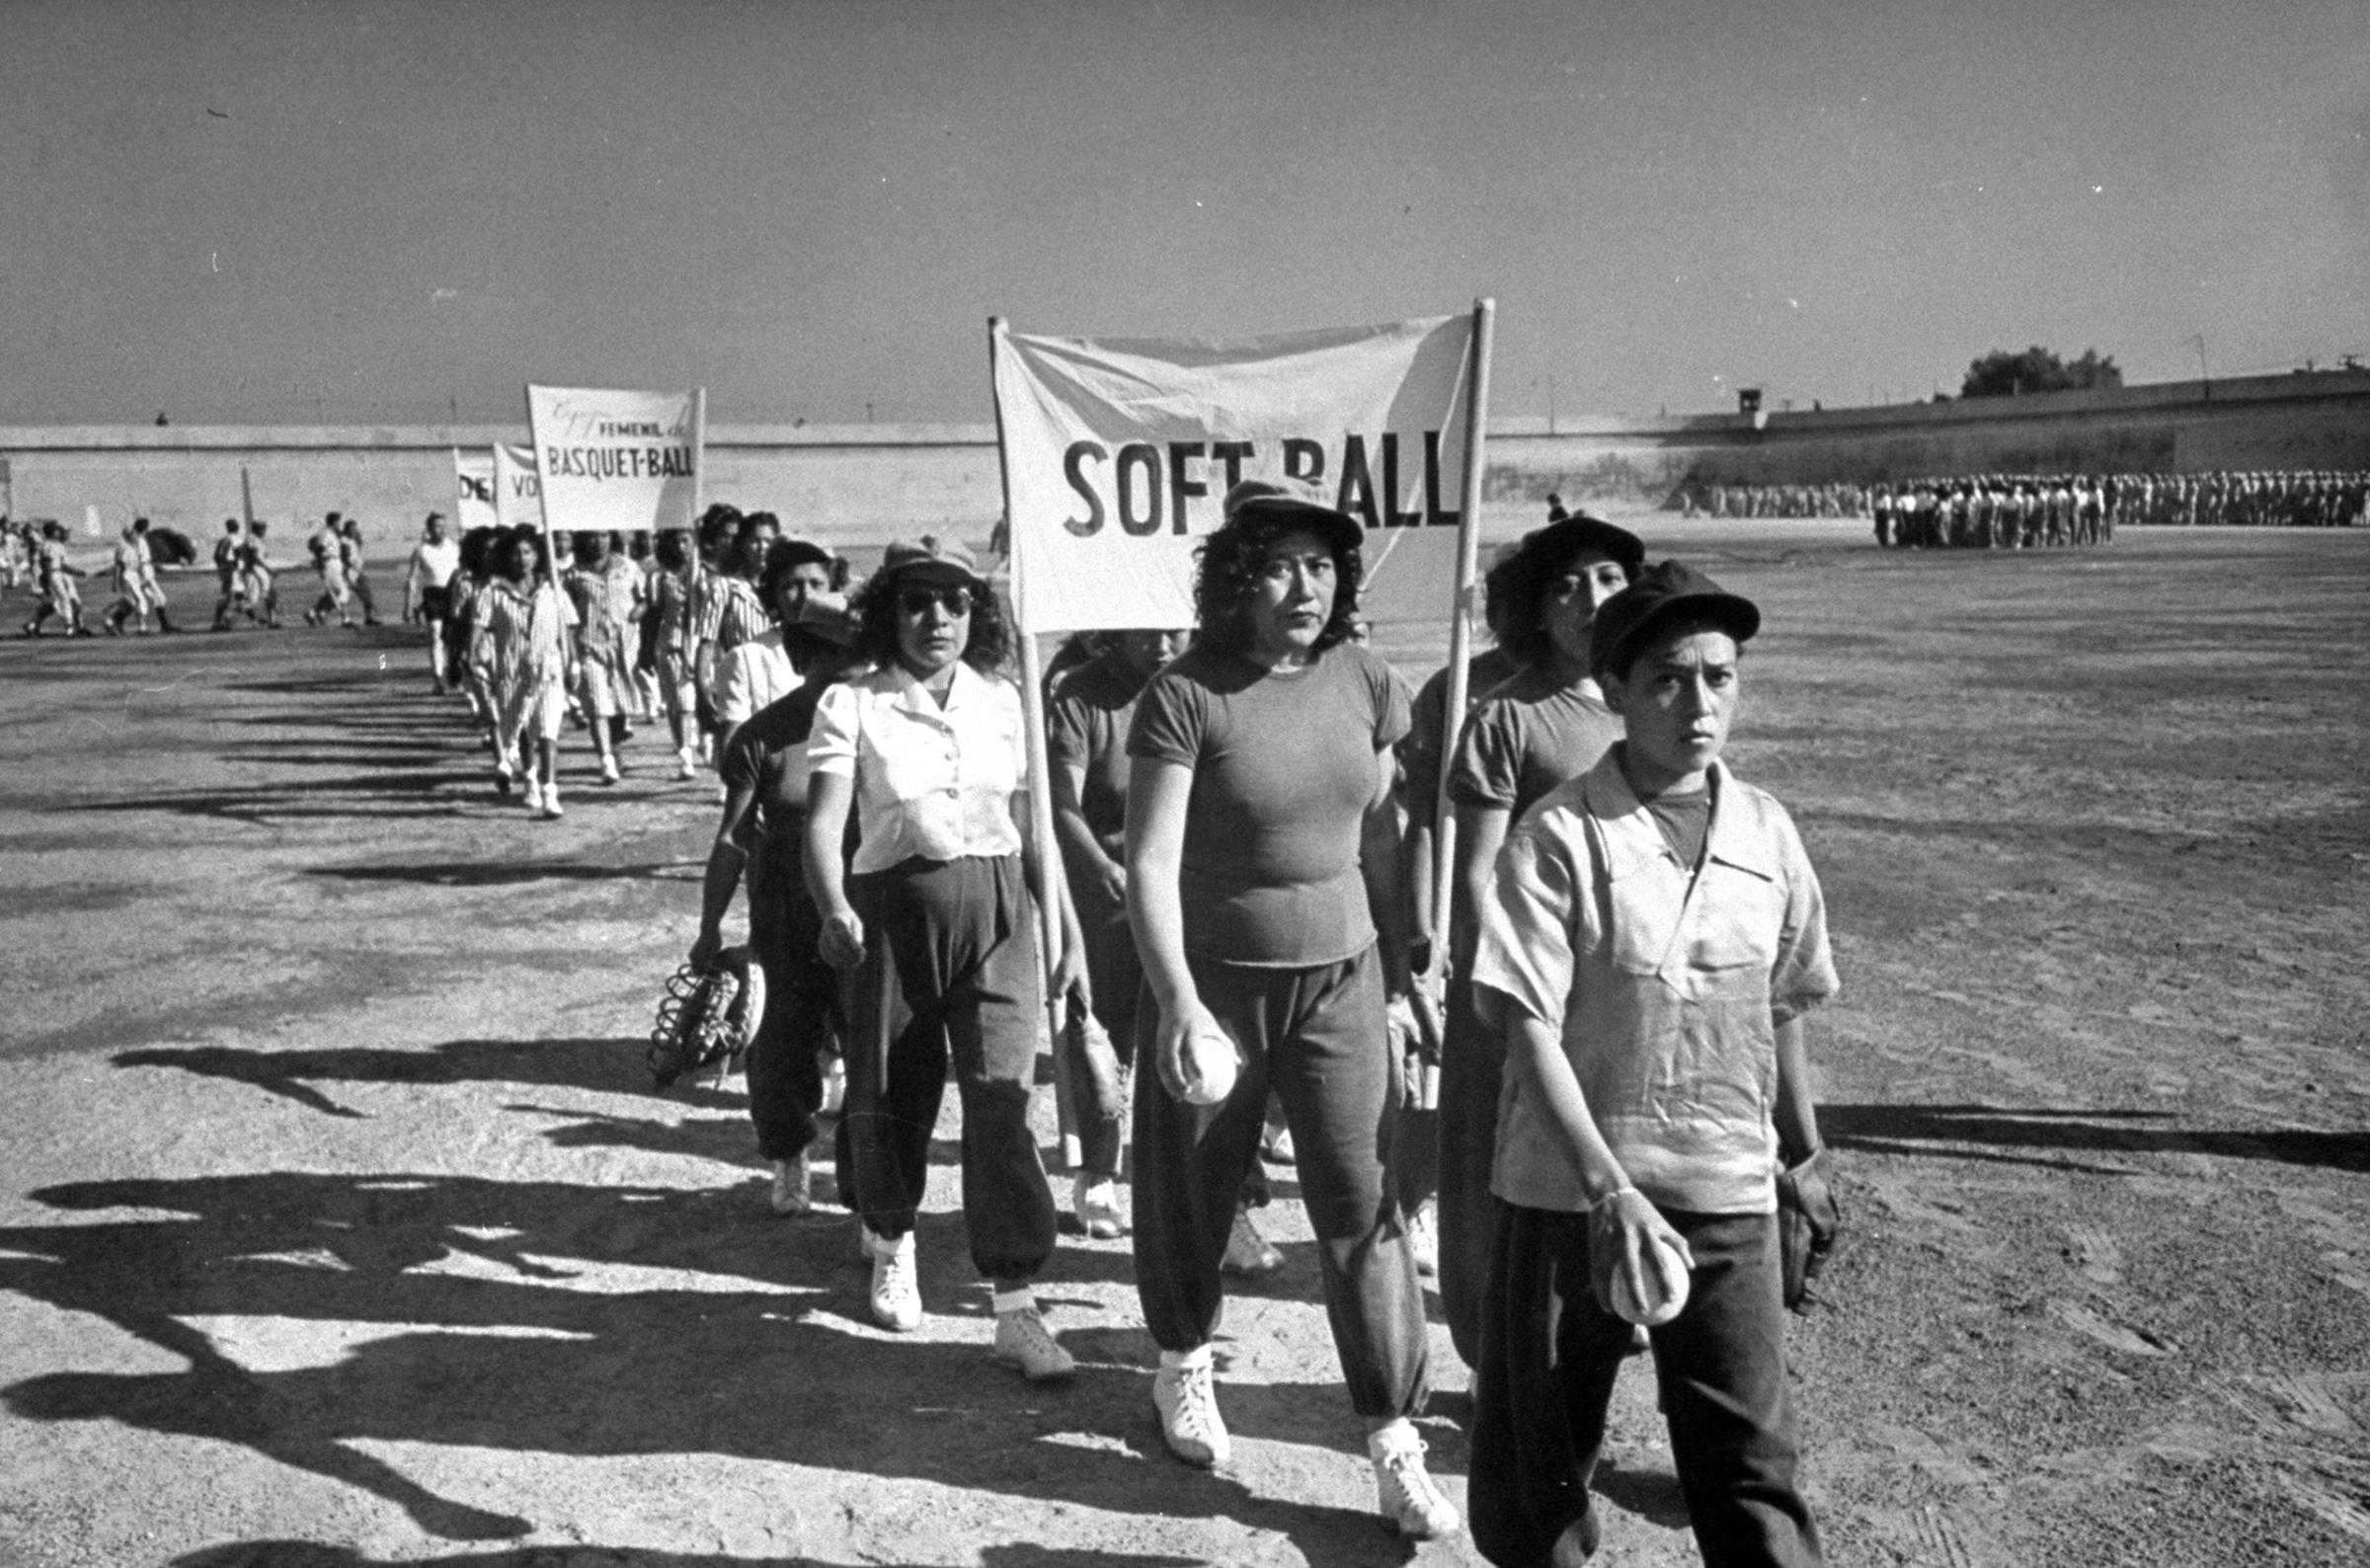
(767, 753)
(1525, 737)
(1086, 726)
(1425, 749)
(1283, 767)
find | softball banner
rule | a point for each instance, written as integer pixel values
(614, 459)
(1116, 453)
(473, 491)
(517, 488)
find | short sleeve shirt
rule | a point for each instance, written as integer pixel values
(1425, 748)
(1664, 982)
(1087, 728)
(752, 675)
(1526, 736)
(931, 782)
(1284, 767)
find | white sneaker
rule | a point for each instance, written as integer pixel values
(1095, 1201)
(551, 802)
(1423, 1240)
(609, 768)
(834, 1087)
(1187, 1399)
(896, 1292)
(1405, 1495)
(534, 793)
(788, 1195)
(1248, 1251)
(1022, 1340)
(685, 767)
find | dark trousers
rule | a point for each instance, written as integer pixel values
(804, 1021)
(1550, 1356)
(950, 968)
(1317, 1037)
(1116, 975)
(1472, 1068)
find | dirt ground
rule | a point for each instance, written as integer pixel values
(340, 1226)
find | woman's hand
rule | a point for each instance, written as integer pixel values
(1622, 1230)
(1178, 1024)
(842, 944)
(704, 949)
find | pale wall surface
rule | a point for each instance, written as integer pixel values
(856, 485)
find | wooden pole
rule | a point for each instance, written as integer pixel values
(1461, 624)
(1041, 793)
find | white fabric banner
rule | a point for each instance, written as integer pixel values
(1116, 453)
(517, 488)
(617, 460)
(473, 491)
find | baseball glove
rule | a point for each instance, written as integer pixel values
(707, 1021)
(1808, 1222)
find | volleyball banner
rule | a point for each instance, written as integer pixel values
(517, 488)
(1118, 453)
(617, 460)
(473, 491)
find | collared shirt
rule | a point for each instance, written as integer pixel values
(1666, 984)
(754, 675)
(930, 781)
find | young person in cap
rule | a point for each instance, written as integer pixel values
(1652, 938)
(938, 922)
(428, 583)
(766, 775)
(1545, 724)
(1263, 888)
(762, 670)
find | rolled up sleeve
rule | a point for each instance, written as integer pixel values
(1526, 947)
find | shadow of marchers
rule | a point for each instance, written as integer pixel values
(456, 1311)
(613, 1064)
(1903, 1129)
(511, 873)
(311, 1554)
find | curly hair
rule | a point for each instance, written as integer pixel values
(988, 650)
(1227, 574)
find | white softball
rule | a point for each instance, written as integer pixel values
(1211, 1064)
(1657, 1309)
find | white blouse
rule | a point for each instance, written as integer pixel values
(930, 781)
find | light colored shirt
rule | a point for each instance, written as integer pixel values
(751, 675)
(930, 781)
(1665, 982)
(434, 563)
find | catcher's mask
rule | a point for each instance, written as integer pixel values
(706, 1020)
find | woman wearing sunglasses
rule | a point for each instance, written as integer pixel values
(936, 922)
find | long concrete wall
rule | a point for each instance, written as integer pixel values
(862, 484)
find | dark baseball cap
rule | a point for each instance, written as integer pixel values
(1576, 531)
(1668, 592)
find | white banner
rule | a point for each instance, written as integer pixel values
(1118, 451)
(517, 488)
(473, 491)
(614, 459)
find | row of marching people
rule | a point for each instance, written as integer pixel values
(1624, 1090)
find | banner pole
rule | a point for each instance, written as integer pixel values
(699, 458)
(247, 497)
(1461, 624)
(1032, 700)
(552, 556)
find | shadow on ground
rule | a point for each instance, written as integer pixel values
(1946, 1129)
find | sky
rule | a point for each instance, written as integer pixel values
(366, 212)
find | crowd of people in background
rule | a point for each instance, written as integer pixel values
(2022, 510)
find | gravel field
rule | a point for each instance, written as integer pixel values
(339, 1224)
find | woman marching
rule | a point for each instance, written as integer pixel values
(937, 922)
(521, 645)
(1262, 846)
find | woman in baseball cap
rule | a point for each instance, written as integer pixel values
(935, 919)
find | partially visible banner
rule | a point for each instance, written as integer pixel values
(517, 488)
(1116, 453)
(473, 491)
(617, 460)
